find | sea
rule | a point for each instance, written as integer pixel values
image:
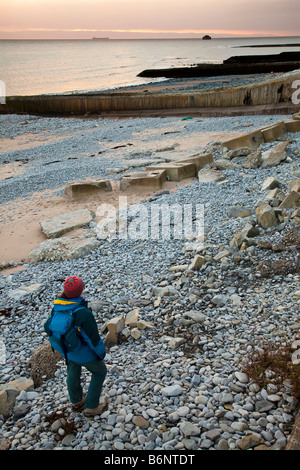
(32, 67)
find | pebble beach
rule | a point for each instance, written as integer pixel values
(177, 383)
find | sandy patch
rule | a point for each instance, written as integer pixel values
(29, 140)
(21, 231)
(8, 170)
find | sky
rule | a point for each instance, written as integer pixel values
(80, 19)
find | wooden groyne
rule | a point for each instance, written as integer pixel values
(271, 91)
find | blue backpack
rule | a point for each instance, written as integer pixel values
(63, 335)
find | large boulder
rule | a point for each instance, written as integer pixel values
(63, 249)
(274, 156)
(43, 363)
(10, 391)
(207, 175)
(266, 216)
(57, 226)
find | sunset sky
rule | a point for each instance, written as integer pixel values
(64, 19)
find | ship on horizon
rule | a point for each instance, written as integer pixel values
(100, 39)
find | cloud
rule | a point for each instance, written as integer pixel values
(273, 16)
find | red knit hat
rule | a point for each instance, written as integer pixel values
(73, 287)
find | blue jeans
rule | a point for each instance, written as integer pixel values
(98, 371)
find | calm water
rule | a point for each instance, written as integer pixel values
(34, 67)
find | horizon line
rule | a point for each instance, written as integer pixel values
(139, 39)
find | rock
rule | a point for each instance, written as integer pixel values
(263, 406)
(224, 164)
(142, 324)
(274, 156)
(176, 342)
(115, 327)
(242, 377)
(239, 211)
(195, 316)
(213, 434)
(68, 440)
(270, 183)
(219, 300)
(135, 333)
(238, 240)
(197, 262)
(222, 254)
(266, 216)
(180, 267)
(63, 249)
(296, 294)
(189, 429)
(226, 398)
(18, 294)
(248, 441)
(43, 363)
(132, 318)
(20, 411)
(275, 194)
(57, 226)
(165, 291)
(210, 176)
(290, 200)
(172, 390)
(296, 215)
(242, 152)
(250, 231)
(141, 422)
(253, 160)
(294, 185)
(10, 391)
(83, 188)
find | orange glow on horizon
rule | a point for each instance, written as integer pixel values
(153, 31)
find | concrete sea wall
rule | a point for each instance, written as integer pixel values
(271, 91)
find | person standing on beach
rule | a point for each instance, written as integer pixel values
(90, 351)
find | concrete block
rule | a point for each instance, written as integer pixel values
(86, 187)
(175, 171)
(199, 160)
(274, 132)
(292, 125)
(249, 140)
(147, 180)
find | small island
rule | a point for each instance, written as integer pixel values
(206, 37)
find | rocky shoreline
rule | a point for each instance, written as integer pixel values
(191, 314)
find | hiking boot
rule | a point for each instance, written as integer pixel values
(96, 411)
(79, 405)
